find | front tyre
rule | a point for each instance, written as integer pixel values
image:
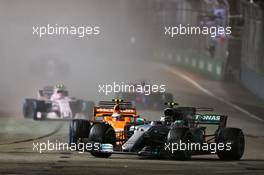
(78, 129)
(104, 134)
(179, 136)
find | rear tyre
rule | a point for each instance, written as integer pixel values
(177, 136)
(87, 109)
(102, 133)
(83, 107)
(236, 140)
(29, 108)
(40, 106)
(78, 129)
(76, 107)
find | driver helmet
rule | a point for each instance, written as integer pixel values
(59, 90)
(116, 116)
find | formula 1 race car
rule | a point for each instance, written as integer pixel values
(118, 117)
(178, 135)
(154, 100)
(48, 106)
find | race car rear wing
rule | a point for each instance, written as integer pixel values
(211, 119)
(111, 104)
(109, 111)
(47, 92)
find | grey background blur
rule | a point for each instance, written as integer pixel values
(130, 30)
(28, 62)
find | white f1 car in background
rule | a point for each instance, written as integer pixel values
(46, 108)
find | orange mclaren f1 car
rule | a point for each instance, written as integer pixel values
(120, 116)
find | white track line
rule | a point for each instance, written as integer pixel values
(206, 91)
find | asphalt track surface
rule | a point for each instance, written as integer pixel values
(18, 135)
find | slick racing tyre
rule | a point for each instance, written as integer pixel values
(40, 106)
(29, 108)
(78, 129)
(177, 136)
(87, 109)
(104, 134)
(83, 107)
(235, 137)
